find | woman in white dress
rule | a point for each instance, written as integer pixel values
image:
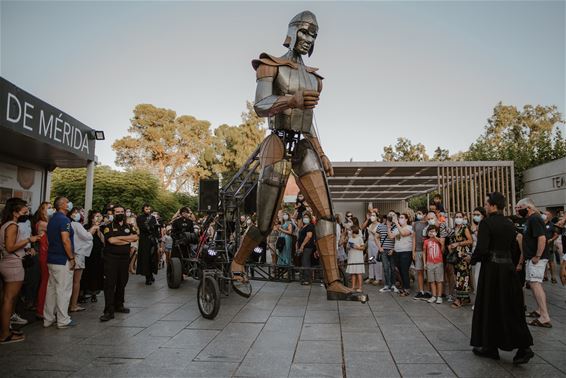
(356, 258)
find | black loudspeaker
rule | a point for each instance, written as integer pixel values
(208, 195)
(250, 203)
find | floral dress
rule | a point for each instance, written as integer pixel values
(463, 268)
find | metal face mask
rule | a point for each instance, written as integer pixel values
(306, 21)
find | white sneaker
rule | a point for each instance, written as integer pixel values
(439, 300)
(385, 289)
(17, 319)
(431, 300)
(395, 290)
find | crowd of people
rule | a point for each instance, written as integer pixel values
(59, 258)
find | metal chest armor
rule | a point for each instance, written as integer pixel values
(287, 83)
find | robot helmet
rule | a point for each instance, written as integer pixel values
(304, 20)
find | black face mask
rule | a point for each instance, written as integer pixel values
(23, 218)
(120, 217)
(523, 212)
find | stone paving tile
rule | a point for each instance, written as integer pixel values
(288, 310)
(322, 352)
(316, 370)
(421, 370)
(191, 338)
(232, 344)
(370, 364)
(466, 364)
(314, 331)
(363, 342)
(322, 316)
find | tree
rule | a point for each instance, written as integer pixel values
(168, 146)
(529, 137)
(233, 145)
(131, 189)
(441, 154)
(405, 150)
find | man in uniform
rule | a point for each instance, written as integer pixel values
(117, 237)
(180, 229)
(147, 248)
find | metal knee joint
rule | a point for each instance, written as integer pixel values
(305, 159)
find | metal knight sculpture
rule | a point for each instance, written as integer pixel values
(287, 92)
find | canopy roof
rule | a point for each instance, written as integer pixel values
(390, 181)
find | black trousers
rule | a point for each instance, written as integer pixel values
(115, 279)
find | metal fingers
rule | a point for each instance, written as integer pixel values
(272, 181)
(311, 180)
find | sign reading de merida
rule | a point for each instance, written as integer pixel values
(28, 115)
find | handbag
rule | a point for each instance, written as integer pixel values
(280, 243)
(452, 257)
(28, 261)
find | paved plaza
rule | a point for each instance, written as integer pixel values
(283, 330)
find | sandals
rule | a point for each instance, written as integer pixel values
(456, 304)
(77, 309)
(533, 314)
(13, 338)
(538, 323)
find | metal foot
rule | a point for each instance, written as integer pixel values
(353, 296)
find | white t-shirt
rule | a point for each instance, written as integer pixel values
(403, 243)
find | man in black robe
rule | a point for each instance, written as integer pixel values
(499, 318)
(147, 248)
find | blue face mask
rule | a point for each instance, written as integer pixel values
(69, 206)
(50, 212)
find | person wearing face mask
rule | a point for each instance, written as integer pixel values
(83, 242)
(418, 256)
(93, 276)
(285, 234)
(41, 217)
(61, 265)
(348, 222)
(499, 320)
(375, 270)
(461, 247)
(535, 252)
(356, 258)
(306, 246)
(403, 235)
(551, 236)
(386, 244)
(477, 216)
(300, 209)
(11, 268)
(117, 238)
(149, 235)
(32, 274)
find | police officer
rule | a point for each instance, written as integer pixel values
(147, 248)
(180, 230)
(117, 237)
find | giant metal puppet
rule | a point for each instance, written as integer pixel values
(287, 92)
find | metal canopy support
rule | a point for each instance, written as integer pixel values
(89, 185)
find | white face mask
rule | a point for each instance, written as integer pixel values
(432, 222)
(477, 218)
(543, 216)
(69, 206)
(50, 212)
(110, 218)
(432, 234)
(128, 214)
(249, 222)
(419, 217)
(77, 217)
(402, 221)
(373, 218)
(285, 217)
(306, 220)
(459, 221)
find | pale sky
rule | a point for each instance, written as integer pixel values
(429, 71)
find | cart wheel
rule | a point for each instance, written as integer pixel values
(208, 297)
(174, 273)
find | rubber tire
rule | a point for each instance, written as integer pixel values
(209, 282)
(174, 273)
